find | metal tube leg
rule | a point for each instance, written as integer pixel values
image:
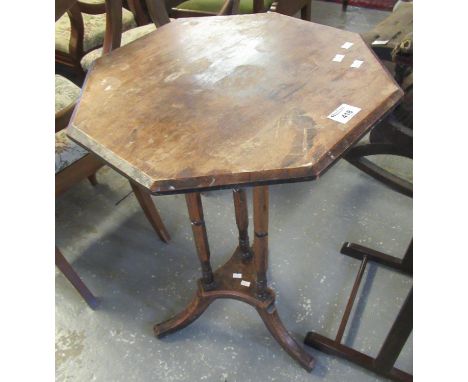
(195, 210)
(260, 246)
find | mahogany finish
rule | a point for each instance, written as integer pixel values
(242, 220)
(151, 213)
(74, 279)
(180, 115)
(221, 284)
(195, 210)
(61, 6)
(384, 363)
(227, 102)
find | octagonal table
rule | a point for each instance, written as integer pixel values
(230, 102)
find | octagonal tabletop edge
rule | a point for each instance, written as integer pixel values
(215, 102)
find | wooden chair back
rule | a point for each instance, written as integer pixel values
(158, 13)
(292, 7)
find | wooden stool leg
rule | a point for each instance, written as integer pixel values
(384, 363)
(306, 11)
(195, 210)
(242, 221)
(260, 245)
(407, 261)
(93, 180)
(396, 338)
(344, 5)
(151, 213)
(74, 279)
(258, 6)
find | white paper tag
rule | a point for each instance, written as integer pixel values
(347, 45)
(245, 283)
(237, 275)
(380, 42)
(338, 58)
(356, 64)
(344, 113)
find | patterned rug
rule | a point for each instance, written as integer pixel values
(386, 5)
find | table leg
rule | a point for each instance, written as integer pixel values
(222, 284)
(260, 245)
(242, 221)
(194, 310)
(195, 210)
(74, 279)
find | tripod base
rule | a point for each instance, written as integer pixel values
(225, 286)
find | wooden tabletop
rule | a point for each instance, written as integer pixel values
(215, 102)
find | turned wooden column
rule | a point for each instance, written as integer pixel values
(260, 246)
(195, 210)
(242, 221)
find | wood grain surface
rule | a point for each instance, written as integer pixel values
(216, 102)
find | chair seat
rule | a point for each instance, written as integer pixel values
(66, 151)
(127, 37)
(214, 6)
(94, 29)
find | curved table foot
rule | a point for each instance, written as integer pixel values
(278, 331)
(227, 287)
(196, 307)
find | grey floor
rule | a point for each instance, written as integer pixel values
(139, 280)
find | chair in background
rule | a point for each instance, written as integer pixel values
(378, 4)
(392, 136)
(190, 8)
(82, 28)
(194, 8)
(137, 7)
(159, 15)
(384, 362)
(67, 270)
(292, 7)
(74, 164)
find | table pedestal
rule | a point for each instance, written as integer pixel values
(251, 262)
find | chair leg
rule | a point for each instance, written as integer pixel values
(74, 279)
(152, 214)
(306, 11)
(92, 179)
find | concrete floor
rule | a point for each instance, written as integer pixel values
(139, 280)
